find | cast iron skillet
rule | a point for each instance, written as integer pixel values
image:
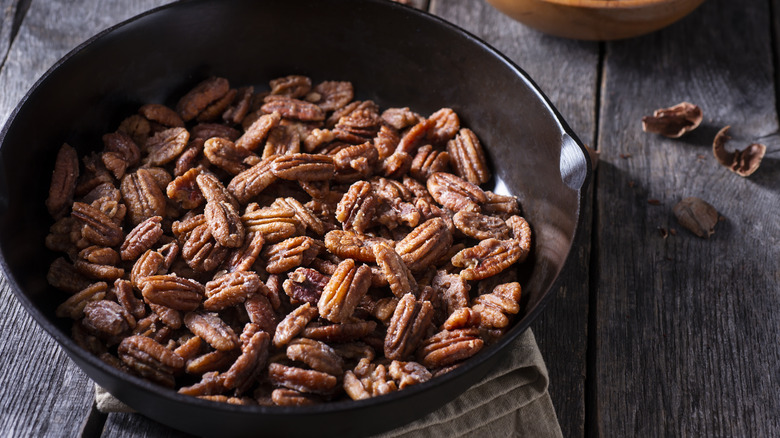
(394, 55)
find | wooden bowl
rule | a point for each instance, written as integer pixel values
(596, 19)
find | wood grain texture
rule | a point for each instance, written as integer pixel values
(566, 71)
(688, 328)
(137, 426)
(44, 393)
(7, 13)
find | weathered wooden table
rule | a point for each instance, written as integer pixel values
(654, 331)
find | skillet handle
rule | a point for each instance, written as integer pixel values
(574, 162)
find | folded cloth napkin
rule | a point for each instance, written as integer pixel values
(511, 401)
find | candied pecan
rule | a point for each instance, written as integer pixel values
(464, 317)
(368, 380)
(488, 258)
(742, 162)
(98, 271)
(172, 291)
(317, 355)
(107, 320)
(161, 114)
(274, 223)
(445, 125)
(293, 86)
(60, 233)
(230, 289)
(64, 276)
(452, 291)
(212, 329)
(246, 369)
(215, 110)
(290, 253)
(345, 332)
(282, 141)
(99, 255)
(261, 312)
(200, 97)
(697, 216)
(347, 244)
(201, 251)
(73, 307)
(308, 381)
(344, 290)
(480, 226)
(521, 231)
(257, 132)
(242, 259)
(425, 244)
(236, 112)
(398, 275)
(428, 161)
(225, 224)
(304, 167)
(114, 210)
(98, 227)
(114, 163)
(408, 373)
(356, 209)
(213, 361)
(502, 206)
(211, 383)
(170, 317)
(449, 347)
(294, 109)
(291, 397)
(354, 350)
(94, 175)
(305, 285)
(400, 118)
(383, 309)
(675, 121)
(386, 141)
(414, 137)
(331, 121)
(222, 153)
(358, 126)
(317, 138)
(497, 307)
(137, 127)
(409, 324)
(189, 347)
(205, 131)
(213, 190)
(63, 181)
(123, 290)
(293, 324)
(184, 189)
(455, 193)
(141, 238)
(304, 215)
(150, 263)
(142, 195)
(149, 359)
(249, 183)
(190, 158)
(397, 165)
(468, 157)
(165, 146)
(354, 162)
(334, 95)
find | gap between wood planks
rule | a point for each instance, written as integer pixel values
(17, 9)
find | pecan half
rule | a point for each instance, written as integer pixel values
(274, 223)
(184, 189)
(212, 329)
(293, 324)
(230, 290)
(200, 97)
(398, 275)
(172, 291)
(333, 94)
(497, 307)
(344, 332)
(63, 181)
(225, 224)
(142, 195)
(308, 381)
(247, 368)
(409, 324)
(291, 397)
(304, 215)
(480, 226)
(123, 290)
(107, 320)
(488, 258)
(502, 206)
(98, 227)
(344, 290)
(251, 182)
(427, 161)
(166, 146)
(290, 253)
(161, 114)
(468, 157)
(305, 285)
(282, 141)
(449, 347)
(149, 359)
(141, 238)
(294, 86)
(408, 373)
(213, 190)
(304, 167)
(222, 153)
(400, 118)
(425, 245)
(242, 259)
(347, 244)
(317, 355)
(455, 193)
(446, 124)
(124, 146)
(294, 109)
(201, 251)
(357, 206)
(258, 131)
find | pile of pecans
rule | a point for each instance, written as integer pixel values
(290, 246)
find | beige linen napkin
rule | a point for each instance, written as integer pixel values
(512, 400)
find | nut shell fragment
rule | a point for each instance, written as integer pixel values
(696, 215)
(675, 121)
(742, 162)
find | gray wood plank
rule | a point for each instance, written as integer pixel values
(688, 328)
(566, 71)
(137, 426)
(44, 394)
(7, 13)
